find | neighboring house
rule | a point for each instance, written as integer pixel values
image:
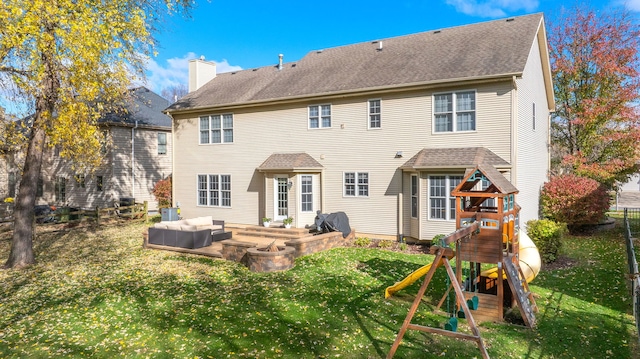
(381, 130)
(137, 156)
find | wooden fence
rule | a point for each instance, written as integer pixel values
(98, 216)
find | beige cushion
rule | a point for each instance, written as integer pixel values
(160, 225)
(188, 227)
(199, 221)
(175, 227)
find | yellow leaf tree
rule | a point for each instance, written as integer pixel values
(70, 61)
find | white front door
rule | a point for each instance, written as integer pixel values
(281, 200)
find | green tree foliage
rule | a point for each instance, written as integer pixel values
(70, 60)
(547, 235)
(574, 200)
(596, 126)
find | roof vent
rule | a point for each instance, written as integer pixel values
(293, 65)
(380, 46)
(437, 31)
(255, 70)
(510, 19)
(318, 51)
(280, 61)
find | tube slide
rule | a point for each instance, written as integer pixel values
(530, 260)
(420, 272)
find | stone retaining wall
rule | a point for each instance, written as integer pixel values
(263, 261)
(236, 251)
(318, 243)
(258, 261)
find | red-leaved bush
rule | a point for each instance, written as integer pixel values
(574, 200)
(162, 192)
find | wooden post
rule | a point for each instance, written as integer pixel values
(146, 211)
(98, 216)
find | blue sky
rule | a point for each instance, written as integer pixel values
(245, 34)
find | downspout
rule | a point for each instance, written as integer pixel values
(514, 133)
(133, 161)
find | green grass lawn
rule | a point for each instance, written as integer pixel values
(99, 294)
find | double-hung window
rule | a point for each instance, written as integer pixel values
(374, 114)
(214, 190)
(441, 204)
(414, 196)
(80, 180)
(454, 111)
(162, 143)
(216, 129)
(99, 183)
(356, 184)
(12, 180)
(61, 189)
(306, 193)
(320, 116)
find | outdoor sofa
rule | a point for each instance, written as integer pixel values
(188, 233)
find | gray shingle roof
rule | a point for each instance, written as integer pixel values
(144, 106)
(289, 162)
(488, 49)
(464, 157)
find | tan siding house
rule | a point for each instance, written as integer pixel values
(138, 155)
(381, 130)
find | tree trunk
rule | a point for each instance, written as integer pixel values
(21, 254)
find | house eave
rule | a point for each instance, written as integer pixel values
(350, 93)
(291, 170)
(449, 167)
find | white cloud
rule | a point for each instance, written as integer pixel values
(493, 8)
(632, 5)
(175, 71)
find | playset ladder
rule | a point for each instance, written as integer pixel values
(521, 292)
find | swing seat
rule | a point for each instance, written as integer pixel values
(451, 324)
(473, 302)
(461, 314)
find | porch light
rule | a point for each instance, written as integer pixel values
(289, 185)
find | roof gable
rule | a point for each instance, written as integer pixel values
(499, 184)
(485, 50)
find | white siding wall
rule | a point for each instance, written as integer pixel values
(348, 146)
(532, 159)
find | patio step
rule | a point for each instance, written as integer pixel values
(273, 232)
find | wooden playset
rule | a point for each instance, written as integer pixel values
(487, 223)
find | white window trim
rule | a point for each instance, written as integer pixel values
(166, 143)
(455, 130)
(208, 189)
(369, 114)
(319, 106)
(222, 128)
(310, 193)
(357, 186)
(447, 198)
(416, 196)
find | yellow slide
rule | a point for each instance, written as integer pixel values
(530, 261)
(420, 272)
